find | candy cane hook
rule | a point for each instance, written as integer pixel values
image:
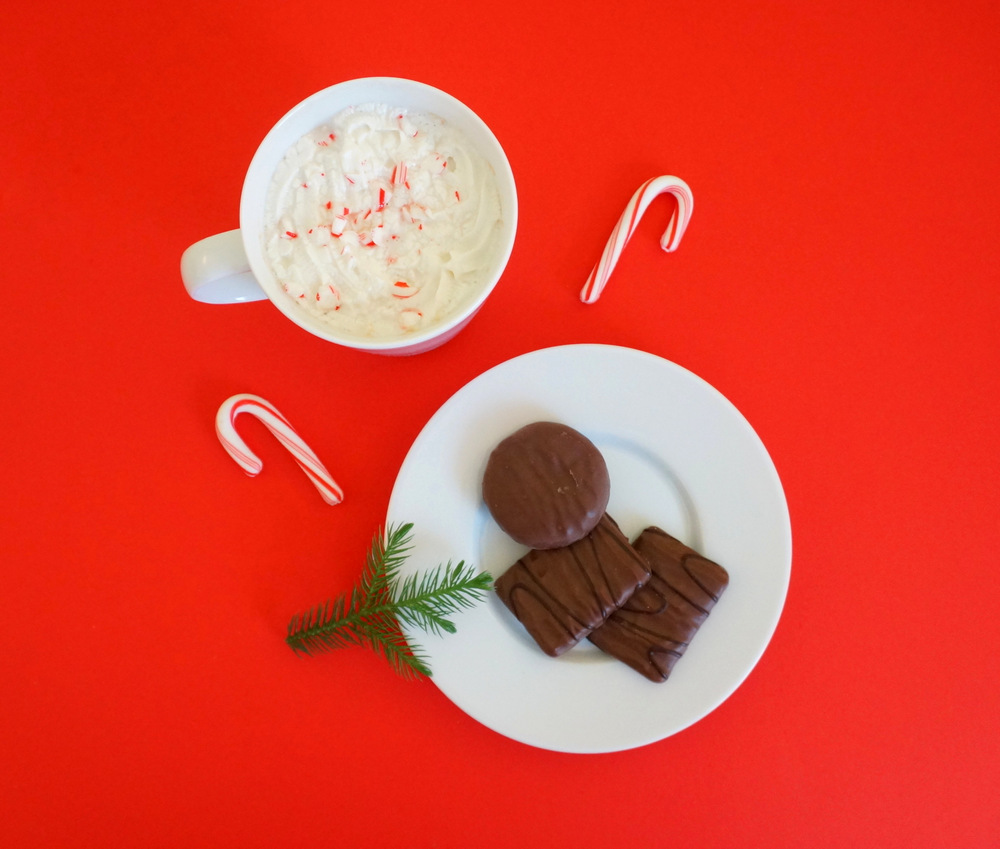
(225, 427)
(629, 220)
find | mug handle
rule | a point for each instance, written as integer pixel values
(216, 271)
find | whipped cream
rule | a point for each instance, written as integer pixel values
(383, 221)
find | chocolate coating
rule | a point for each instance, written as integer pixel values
(546, 485)
(561, 594)
(652, 629)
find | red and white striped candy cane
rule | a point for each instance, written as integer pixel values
(225, 427)
(629, 220)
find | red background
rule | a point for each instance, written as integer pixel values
(838, 284)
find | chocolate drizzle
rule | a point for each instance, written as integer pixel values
(652, 629)
(561, 594)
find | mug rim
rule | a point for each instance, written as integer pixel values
(299, 120)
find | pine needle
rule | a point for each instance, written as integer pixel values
(372, 614)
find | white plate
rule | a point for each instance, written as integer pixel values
(680, 456)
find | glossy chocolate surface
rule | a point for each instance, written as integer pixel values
(546, 485)
(653, 629)
(560, 595)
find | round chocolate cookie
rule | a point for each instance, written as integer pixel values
(546, 485)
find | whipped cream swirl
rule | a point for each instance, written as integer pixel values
(382, 221)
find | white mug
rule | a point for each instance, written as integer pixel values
(231, 267)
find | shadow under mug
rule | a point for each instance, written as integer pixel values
(231, 267)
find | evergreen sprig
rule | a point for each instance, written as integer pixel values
(372, 614)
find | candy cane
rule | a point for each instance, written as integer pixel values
(225, 427)
(629, 220)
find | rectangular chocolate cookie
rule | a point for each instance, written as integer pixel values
(653, 628)
(561, 594)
